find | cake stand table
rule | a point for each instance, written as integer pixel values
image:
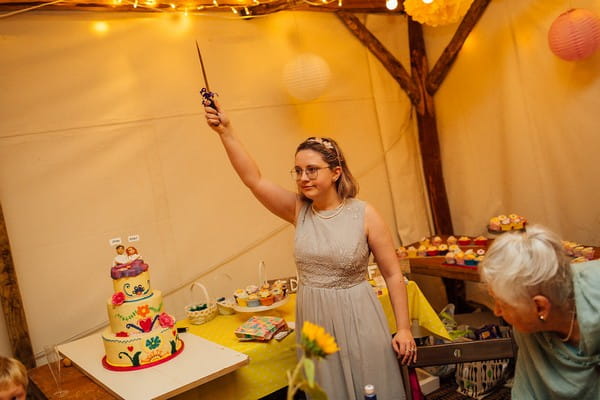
(200, 361)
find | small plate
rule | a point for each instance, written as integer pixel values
(239, 308)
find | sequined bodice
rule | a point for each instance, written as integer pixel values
(332, 252)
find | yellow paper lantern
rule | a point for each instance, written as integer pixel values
(437, 12)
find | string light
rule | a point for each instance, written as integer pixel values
(427, 1)
(243, 10)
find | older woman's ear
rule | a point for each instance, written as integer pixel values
(543, 306)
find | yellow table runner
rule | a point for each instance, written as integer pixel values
(418, 308)
(269, 362)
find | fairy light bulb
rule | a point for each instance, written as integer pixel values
(427, 1)
(391, 4)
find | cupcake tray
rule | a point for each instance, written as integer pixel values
(280, 303)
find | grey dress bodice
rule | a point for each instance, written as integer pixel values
(332, 252)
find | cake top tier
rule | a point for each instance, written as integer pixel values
(127, 263)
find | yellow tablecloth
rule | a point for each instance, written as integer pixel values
(419, 309)
(269, 362)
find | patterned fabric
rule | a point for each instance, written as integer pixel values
(331, 257)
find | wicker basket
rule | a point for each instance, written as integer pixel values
(208, 311)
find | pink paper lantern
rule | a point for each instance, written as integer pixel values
(575, 34)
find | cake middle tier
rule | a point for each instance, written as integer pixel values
(132, 316)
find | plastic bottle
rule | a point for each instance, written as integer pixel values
(370, 392)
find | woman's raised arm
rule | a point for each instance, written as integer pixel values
(275, 198)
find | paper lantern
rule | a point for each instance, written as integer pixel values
(306, 77)
(438, 12)
(575, 34)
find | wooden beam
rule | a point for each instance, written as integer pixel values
(428, 134)
(388, 60)
(12, 306)
(203, 6)
(444, 63)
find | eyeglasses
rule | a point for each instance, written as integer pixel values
(311, 172)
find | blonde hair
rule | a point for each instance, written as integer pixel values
(519, 266)
(12, 373)
(346, 186)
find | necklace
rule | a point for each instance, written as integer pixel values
(337, 210)
(570, 328)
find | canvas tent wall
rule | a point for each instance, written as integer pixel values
(102, 136)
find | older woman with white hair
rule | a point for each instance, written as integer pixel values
(554, 308)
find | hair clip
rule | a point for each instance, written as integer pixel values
(325, 142)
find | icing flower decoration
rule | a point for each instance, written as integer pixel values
(438, 12)
(146, 324)
(316, 343)
(143, 310)
(122, 334)
(118, 298)
(166, 321)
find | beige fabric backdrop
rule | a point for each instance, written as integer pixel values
(102, 136)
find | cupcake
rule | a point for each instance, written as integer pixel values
(450, 258)
(422, 251)
(442, 249)
(517, 221)
(588, 253)
(578, 251)
(464, 240)
(265, 297)
(281, 284)
(479, 259)
(241, 297)
(578, 260)
(459, 258)
(505, 224)
(425, 242)
(451, 240)
(470, 259)
(278, 294)
(480, 241)
(265, 286)
(411, 251)
(251, 289)
(401, 252)
(436, 241)
(494, 224)
(253, 300)
(431, 251)
(454, 248)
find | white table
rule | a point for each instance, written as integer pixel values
(200, 361)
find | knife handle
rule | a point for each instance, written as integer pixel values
(208, 97)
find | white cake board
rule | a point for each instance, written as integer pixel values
(200, 361)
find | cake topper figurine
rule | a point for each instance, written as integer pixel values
(205, 91)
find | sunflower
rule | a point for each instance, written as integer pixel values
(316, 342)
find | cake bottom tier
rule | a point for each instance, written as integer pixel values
(140, 350)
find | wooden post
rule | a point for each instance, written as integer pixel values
(12, 306)
(428, 134)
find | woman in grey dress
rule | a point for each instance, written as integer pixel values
(335, 234)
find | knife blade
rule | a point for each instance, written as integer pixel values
(205, 91)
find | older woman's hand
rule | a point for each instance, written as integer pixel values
(405, 346)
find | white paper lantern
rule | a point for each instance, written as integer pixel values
(306, 76)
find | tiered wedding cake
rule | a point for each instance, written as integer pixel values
(140, 334)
